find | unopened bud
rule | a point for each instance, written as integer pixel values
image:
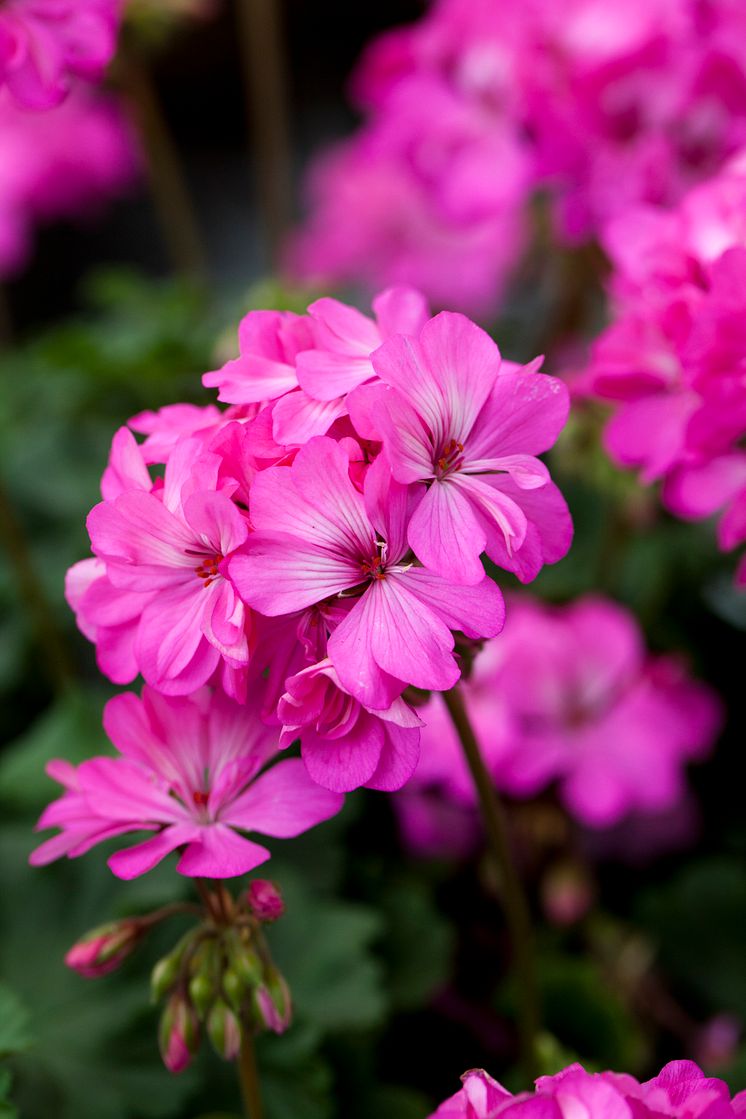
(166, 971)
(205, 972)
(244, 959)
(272, 1002)
(224, 1030)
(265, 900)
(235, 988)
(178, 1034)
(103, 949)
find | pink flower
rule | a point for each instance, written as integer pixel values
(452, 422)
(569, 694)
(62, 164)
(681, 1090)
(343, 743)
(169, 549)
(191, 771)
(43, 43)
(317, 538)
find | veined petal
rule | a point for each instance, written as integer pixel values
(343, 764)
(408, 638)
(278, 576)
(339, 322)
(524, 414)
(137, 860)
(137, 529)
(283, 802)
(399, 757)
(465, 363)
(218, 852)
(298, 417)
(351, 653)
(120, 790)
(326, 376)
(216, 522)
(527, 472)
(478, 611)
(445, 534)
(400, 310)
(499, 509)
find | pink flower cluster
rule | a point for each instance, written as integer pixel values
(477, 105)
(46, 43)
(312, 549)
(63, 163)
(568, 695)
(673, 360)
(680, 1091)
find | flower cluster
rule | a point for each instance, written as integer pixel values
(673, 360)
(680, 1090)
(312, 550)
(477, 105)
(63, 163)
(46, 43)
(567, 695)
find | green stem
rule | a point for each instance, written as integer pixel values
(249, 1076)
(517, 912)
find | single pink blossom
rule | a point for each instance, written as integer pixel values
(317, 538)
(467, 435)
(569, 695)
(343, 744)
(191, 770)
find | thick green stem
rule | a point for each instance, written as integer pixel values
(517, 912)
(249, 1076)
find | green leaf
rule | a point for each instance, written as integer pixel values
(15, 1030)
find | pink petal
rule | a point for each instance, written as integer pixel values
(137, 860)
(350, 650)
(121, 790)
(478, 611)
(280, 576)
(298, 417)
(137, 529)
(446, 536)
(326, 376)
(216, 521)
(343, 324)
(398, 761)
(400, 310)
(524, 414)
(218, 852)
(283, 802)
(344, 764)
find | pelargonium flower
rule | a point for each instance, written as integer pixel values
(43, 43)
(316, 537)
(165, 551)
(343, 743)
(570, 695)
(191, 769)
(453, 422)
(673, 361)
(63, 164)
(681, 1090)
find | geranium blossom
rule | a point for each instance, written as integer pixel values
(680, 1090)
(569, 694)
(45, 42)
(451, 420)
(316, 537)
(165, 553)
(191, 770)
(344, 744)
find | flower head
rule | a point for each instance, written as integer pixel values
(191, 770)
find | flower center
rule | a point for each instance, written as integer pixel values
(450, 459)
(209, 569)
(373, 568)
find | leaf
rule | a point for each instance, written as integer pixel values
(15, 1031)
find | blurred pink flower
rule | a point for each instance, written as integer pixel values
(569, 694)
(65, 163)
(43, 43)
(680, 1090)
(191, 769)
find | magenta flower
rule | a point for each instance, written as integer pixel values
(344, 744)
(317, 538)
(63, 164)
(681, 1091)
(569, 695)
(43, 43)
(173, 546)
(468, 433)
(191, 770)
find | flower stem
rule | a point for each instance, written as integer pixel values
(249, 1076)
(517, 912)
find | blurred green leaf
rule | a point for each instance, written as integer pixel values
(15, 1032)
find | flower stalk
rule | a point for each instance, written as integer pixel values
(517, 913)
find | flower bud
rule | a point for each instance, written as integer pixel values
(205, 976)
(166, 971)
(103, 949)
(235, 988)
(566, 893)
(178, 1034)
(224, 1030)
(243, 959)
(265, 900)
(272, 1002)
